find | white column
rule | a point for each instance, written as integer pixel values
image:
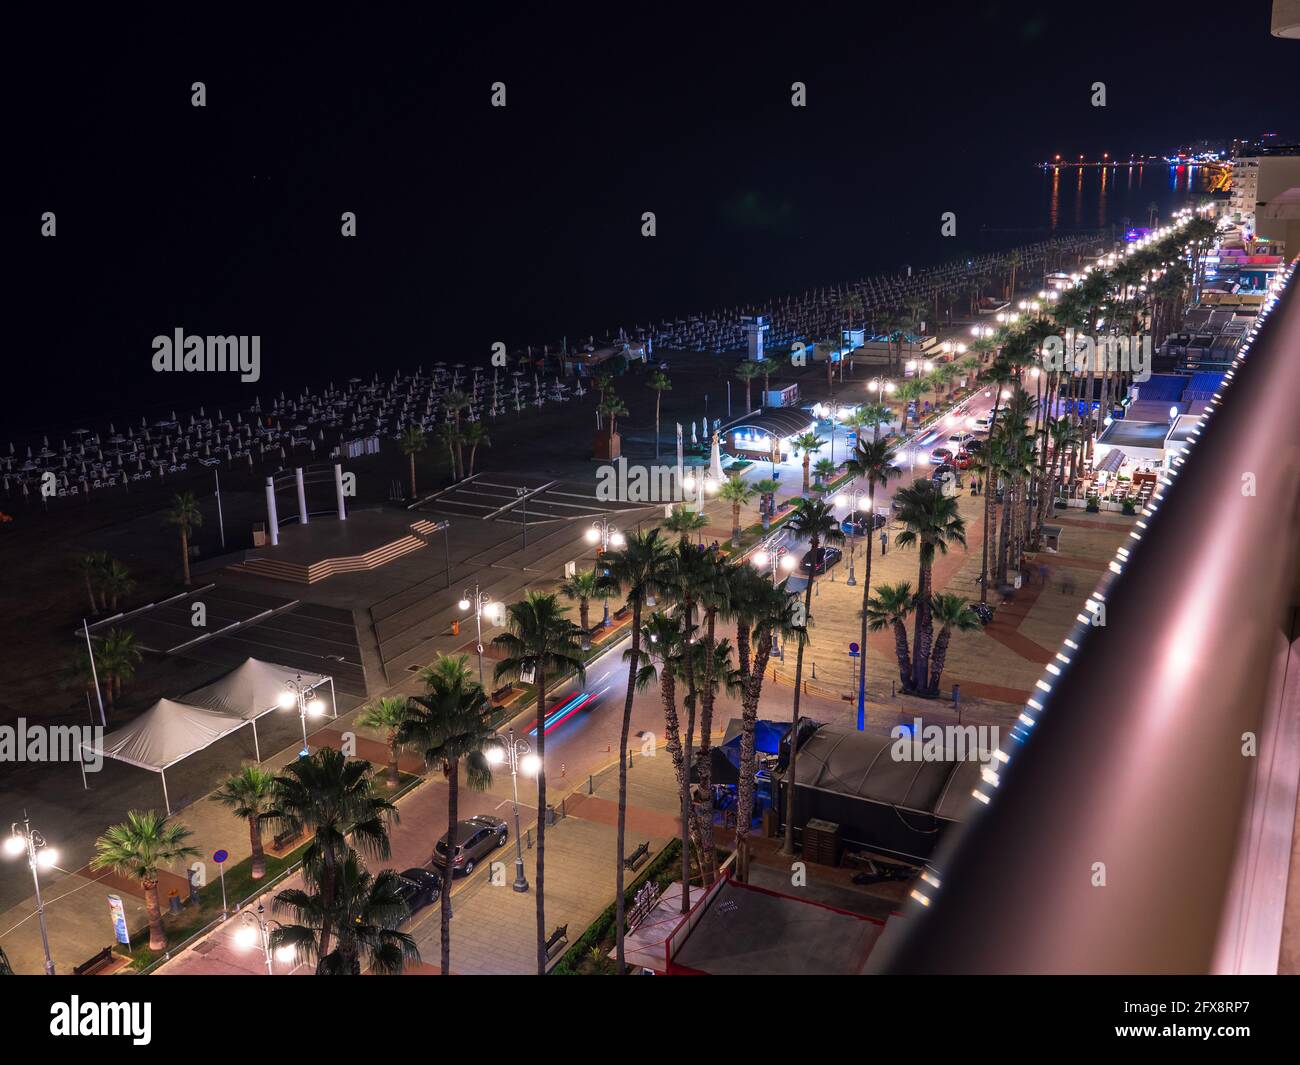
(302, 498)
(272, 519)
(338, 491)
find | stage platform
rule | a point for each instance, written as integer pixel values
(309, 553)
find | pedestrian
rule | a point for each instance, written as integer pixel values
(884, 542)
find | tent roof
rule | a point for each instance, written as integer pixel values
(167, 732)
(859, 764)
(250, 690)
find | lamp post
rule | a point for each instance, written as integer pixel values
(519, 756)
(852, 498)
(604, 532)
(480, 602)
(25, 840)
(302, 695)
(257, 933)
(778, 557)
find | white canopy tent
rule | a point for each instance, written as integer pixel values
(170, 731)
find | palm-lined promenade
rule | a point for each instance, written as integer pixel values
(962, 592)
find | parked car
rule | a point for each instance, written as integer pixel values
(959, 440)
(974, 447)
(419, 888)
(963, 460)
(476, 837)
(940, 454)
(982, 423)
(826, 558)
(942, 472)
(861, 525)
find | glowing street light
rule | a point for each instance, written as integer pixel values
(481, 603)
(25, 840)
(521, 759)
(302, 695)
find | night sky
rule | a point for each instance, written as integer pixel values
(478, 224)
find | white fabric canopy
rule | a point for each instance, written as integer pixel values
(167, 732)
(252, 689)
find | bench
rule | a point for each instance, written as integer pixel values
(502, 691)
(621, 613)
(556, 939)
(94, 964)
(282, 839)
(634, 860)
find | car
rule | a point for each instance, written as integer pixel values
(859, 525)
(982, 423)
(476, 837)
(940, 454)
(826, 558)
(963, 460)
(974, 447)
(419, 888)
(959, 440)
(942, 472)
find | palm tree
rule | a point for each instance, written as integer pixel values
(117, 583)
(659, 384)
(331, 797)
(765, 614)
(450, 438)
(807, 443)
(768, 367)
(476, 436)
(249, 794)
(736, 491)
(91, 566)
(118, 656)
(412, 442)
(365, 910)
(875, 461)
(541, 642)
(951, 612)
(581, 588)
(641, 570)
(890, 608)
(684, 521)
(454, 401)
(388, 714)
(747, 371)
(931, 521)
(824, 469)
(137, 848)
(184, 513)
(451, 722)
(814, 520)
(766, 489)
(830, 345)
(613, 408)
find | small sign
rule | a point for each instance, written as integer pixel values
(219, 856)
(853, 649)
(119, 919)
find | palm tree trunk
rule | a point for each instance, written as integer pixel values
(259, 856)
(688, 611)
(748, 723)
(866, 594)
(538, 878)
(453, 813)
(413, 491)
(185, 555)
(157, 937)
(90, 591)
(708, 852)
(619, 902)
(788, 846)
(394, 774)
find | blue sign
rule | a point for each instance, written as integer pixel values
(853, 649)
(119, 919)
(220, 856)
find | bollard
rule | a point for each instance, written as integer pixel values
(550, 815)
(629, 758)
(528, 838)
(591, 787)
(174, 901)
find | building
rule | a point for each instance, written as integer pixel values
(1261, 193)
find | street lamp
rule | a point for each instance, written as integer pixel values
(520, 757)
(257, 933)
(302, 695)
(480, 602)
(605, 532)
(852, 498)
(24, 839)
